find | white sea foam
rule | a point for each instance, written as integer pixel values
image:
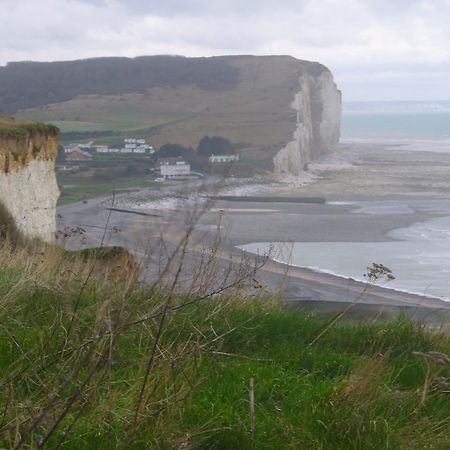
(343, 203)
(174, 201)
(389, 207)
(412, 145)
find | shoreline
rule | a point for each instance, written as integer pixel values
(329, 286)
(415, 296)
(356, 173)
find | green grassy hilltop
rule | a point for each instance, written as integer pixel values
(90, 359)
(164, 99)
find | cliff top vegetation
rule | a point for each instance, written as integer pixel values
(91, 361)
(12, 128)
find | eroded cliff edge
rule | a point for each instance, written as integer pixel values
(28, 188)
(318, 108)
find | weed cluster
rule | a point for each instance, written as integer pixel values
(92, 357)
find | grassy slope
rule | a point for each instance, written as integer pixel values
(86, 189)
(256, 112)
(359, 387)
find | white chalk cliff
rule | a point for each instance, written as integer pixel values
(28, 188)
(318, 107)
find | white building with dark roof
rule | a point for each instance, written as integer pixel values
(221, 159)
(174, 167)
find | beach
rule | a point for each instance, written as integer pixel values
(371, 190)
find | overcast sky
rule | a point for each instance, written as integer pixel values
(377, 49)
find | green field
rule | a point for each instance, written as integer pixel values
(103, 115)
(76, 190)
(88, 361)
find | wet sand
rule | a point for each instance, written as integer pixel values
(356, 172)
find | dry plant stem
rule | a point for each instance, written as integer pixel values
(75, 397)
(54, 399)
(98, 349)
(166, 307)
(252, 405)
(248, 358)
(340, 315)
(426, 385)
(220, 290)
(68, 352)
(91, 271)
(5, 410)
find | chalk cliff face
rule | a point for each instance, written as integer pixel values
(28, 188)
(246, 99)
(318, 107)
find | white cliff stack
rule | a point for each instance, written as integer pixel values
(28, 188)
(318, 106)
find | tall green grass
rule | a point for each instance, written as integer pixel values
(76, 345)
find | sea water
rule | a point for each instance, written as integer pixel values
(391, 121)
(413, 126)
(418, 255)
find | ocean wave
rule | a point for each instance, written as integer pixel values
(418, 269)
(416, 145)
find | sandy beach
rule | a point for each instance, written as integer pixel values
(367, 174)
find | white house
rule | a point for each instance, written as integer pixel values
(219, 159)
(106, 149)
(137, 146)
(174, 167)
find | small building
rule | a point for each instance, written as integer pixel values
(174, 167)
(220, 159)
(78, 155)
(70, 148)
(132, 145)
(65, 168)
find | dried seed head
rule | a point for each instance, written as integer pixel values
(443, 384)
(438, 358)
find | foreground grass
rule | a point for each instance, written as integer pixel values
(75, 351)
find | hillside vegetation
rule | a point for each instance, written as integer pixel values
(26, 85)
(90, 359)
(164, 99)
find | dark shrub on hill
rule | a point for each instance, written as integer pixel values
(197, 162)
(31, 84)
(215, 145)
(173, 150)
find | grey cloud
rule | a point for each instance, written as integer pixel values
(174, 8)
(378, 41)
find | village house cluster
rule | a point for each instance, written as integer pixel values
(138, 146)
(84, 152)
(167, 168)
